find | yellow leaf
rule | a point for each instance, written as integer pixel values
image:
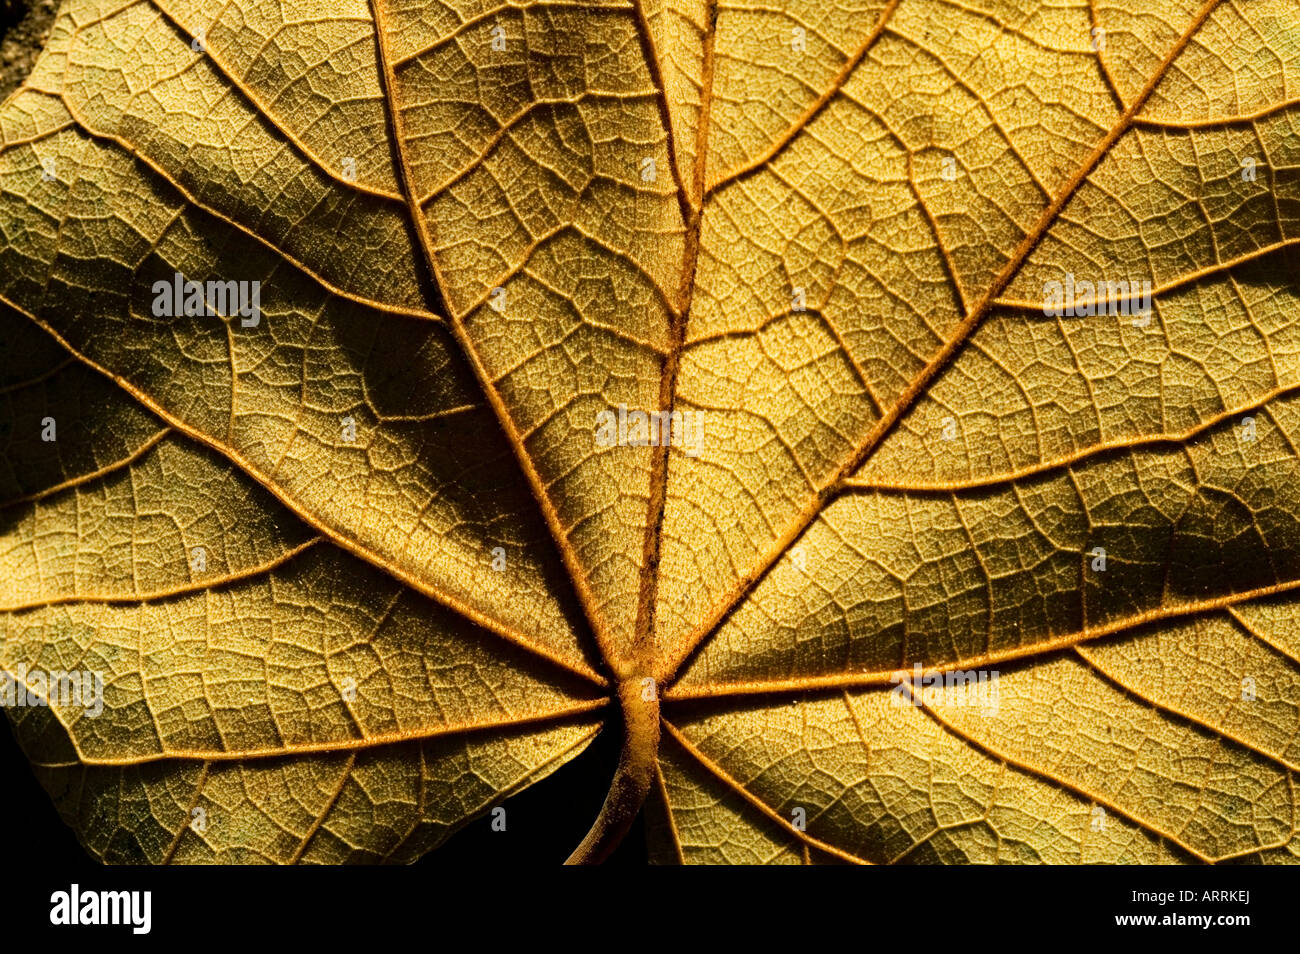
(885, 416)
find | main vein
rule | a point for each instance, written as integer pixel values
(693, 211)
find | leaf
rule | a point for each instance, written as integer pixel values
(824, 237)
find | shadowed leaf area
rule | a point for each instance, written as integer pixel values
(880, 420)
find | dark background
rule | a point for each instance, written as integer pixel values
(23, 25)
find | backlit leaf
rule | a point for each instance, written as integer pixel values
(932, 571)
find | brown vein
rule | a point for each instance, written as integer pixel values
(731, 783)
(38, 378)
(8, 144)
(1215, 122)
(811, 113)
(1078, 790)
(1094, 21)
(576, 572)
(324, 812)
(1148, 699)
(104, 471)
(336, 535)
(189, 815)
(184, 589)
(485, 15)
(661, 790)
(1254, 633)
(485, 149)
(918, 385)
(642, 652)
(557, 714)
(399, 310)
(1102, 449)
(1100, 305)
(261, 109)
(686, 204)
(985, 660)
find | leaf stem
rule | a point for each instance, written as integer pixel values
(639, 697)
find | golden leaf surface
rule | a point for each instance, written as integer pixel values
(357, 565)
